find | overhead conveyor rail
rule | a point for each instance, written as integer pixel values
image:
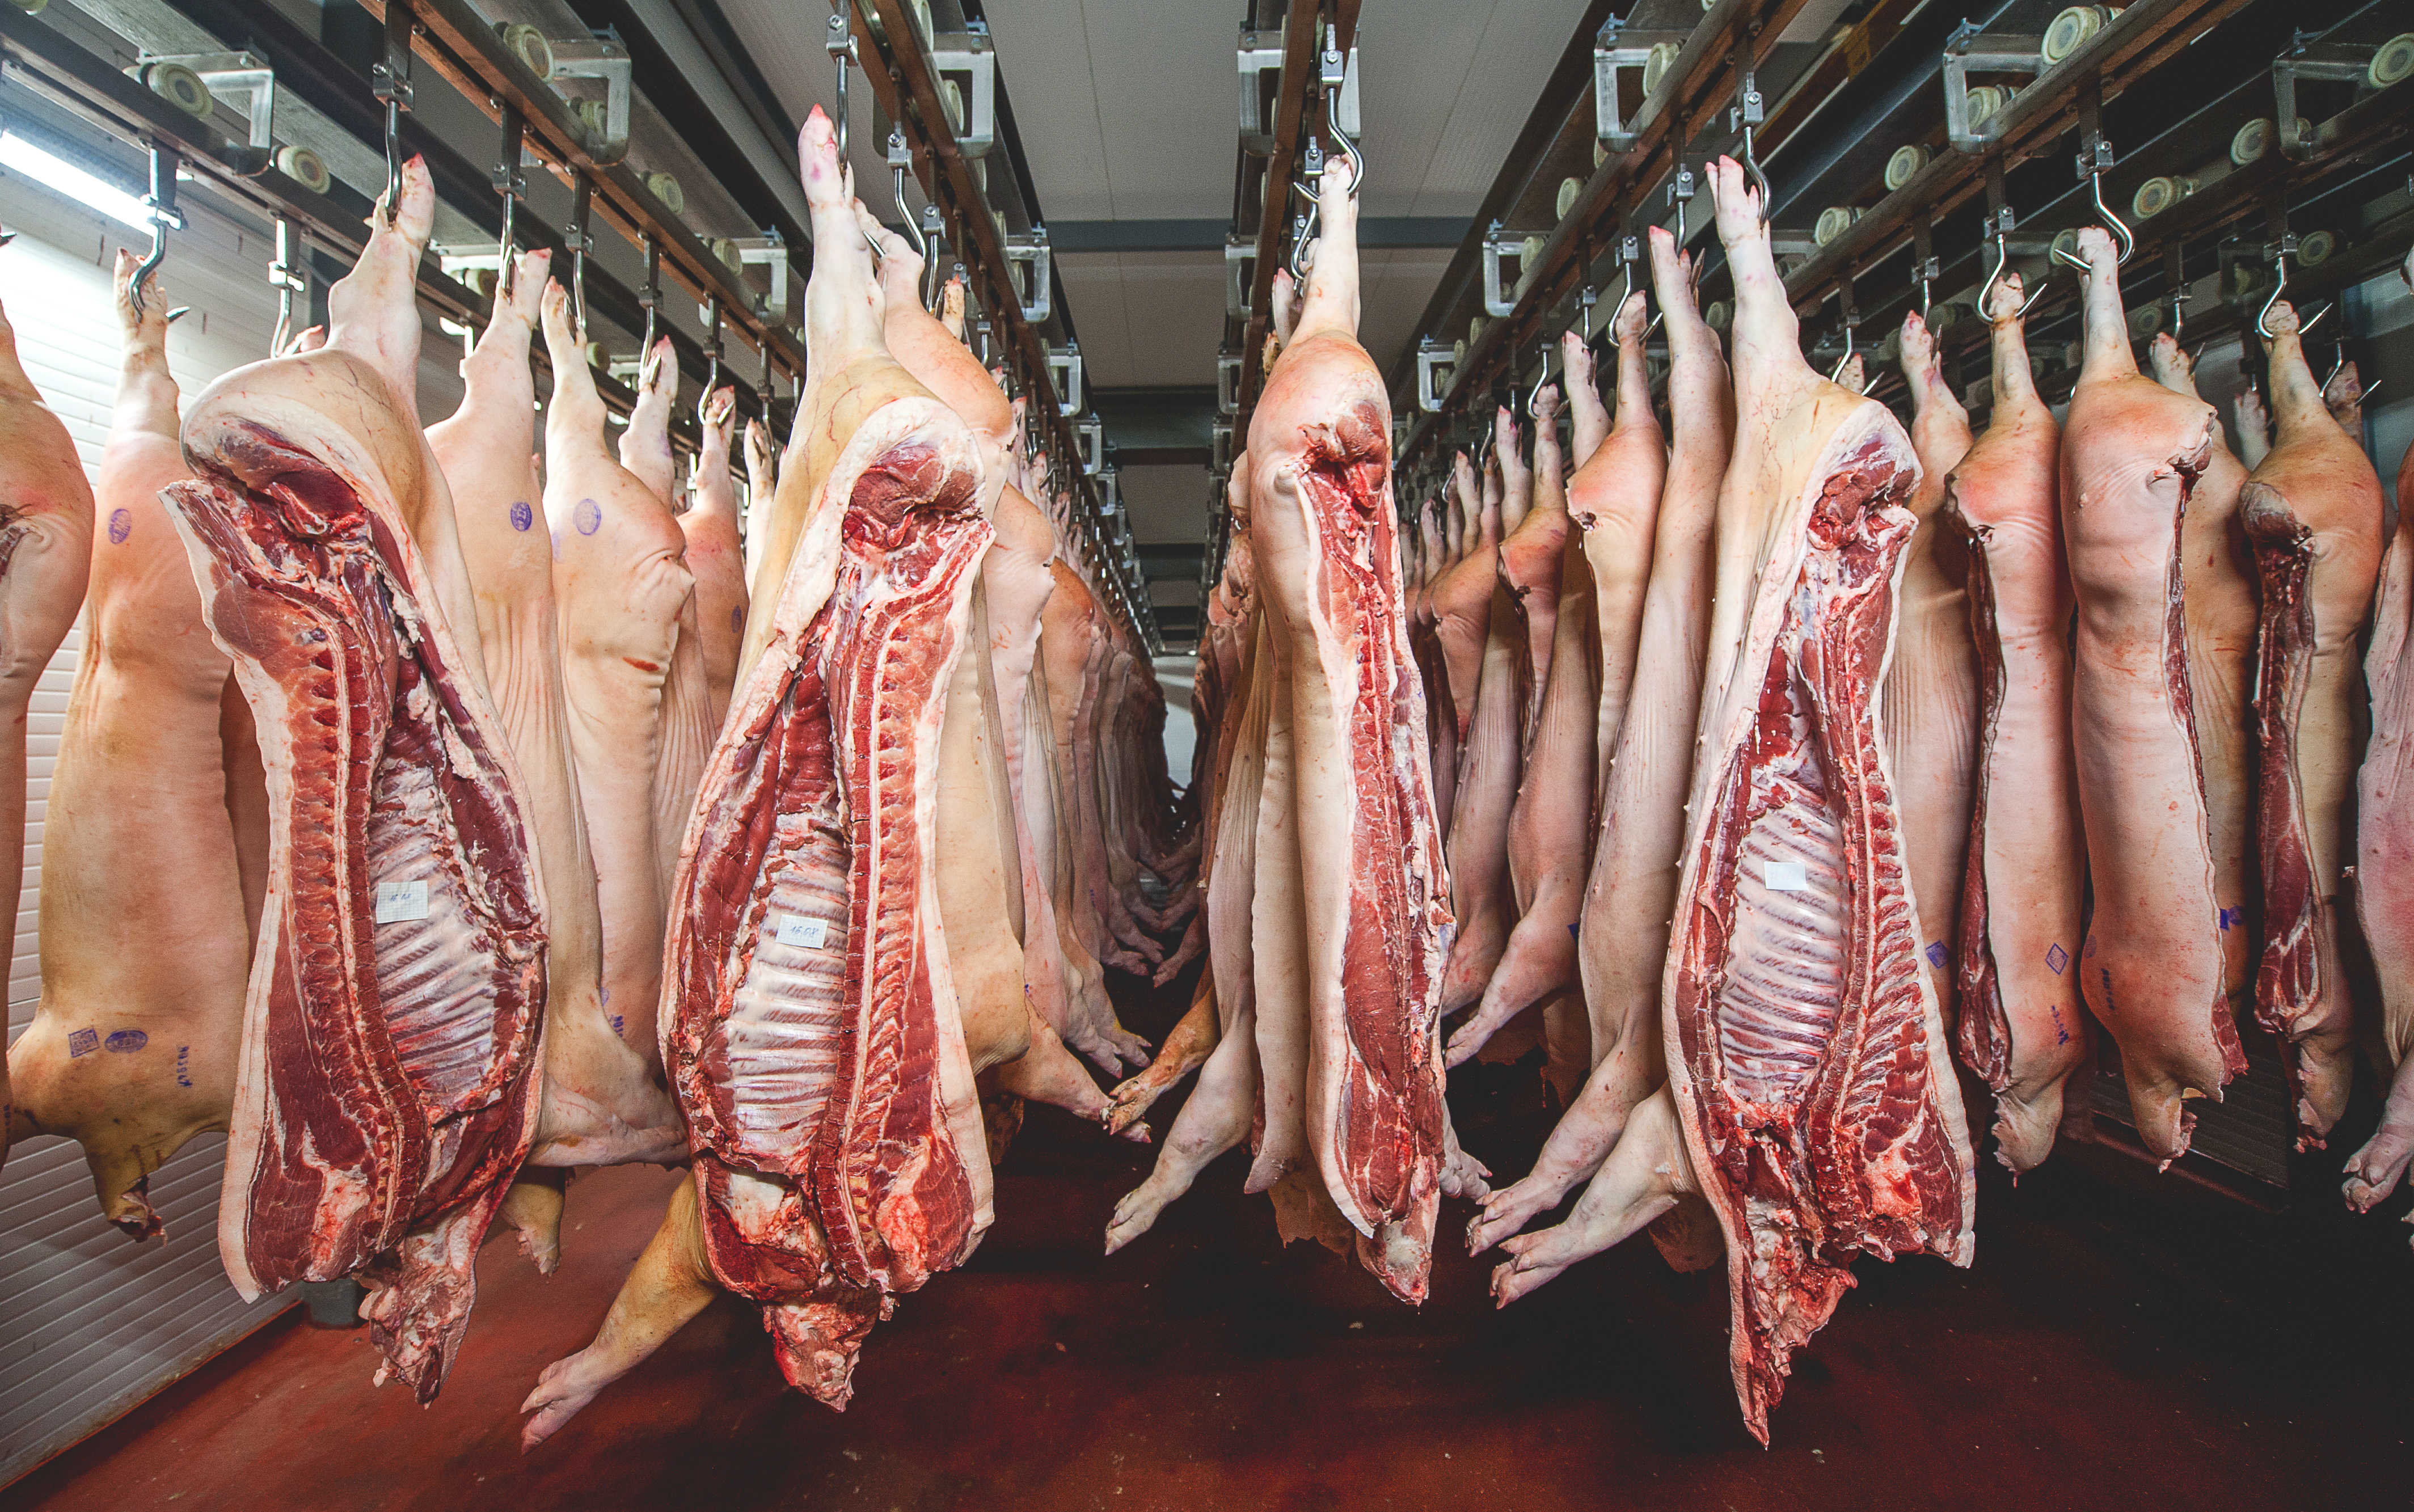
(1316, 36)
(1930, 212)
(1683, 116)
(908, 78)
(93, 88)
(2249, 200)
(463, 48)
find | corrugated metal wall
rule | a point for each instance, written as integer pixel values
(91, 1322)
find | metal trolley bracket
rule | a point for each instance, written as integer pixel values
(1618, 50)
(1969, 50)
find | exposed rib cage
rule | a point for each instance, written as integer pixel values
(1821, 1108)
(388, 1088)
(810, 1027)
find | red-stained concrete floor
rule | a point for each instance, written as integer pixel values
(2109, 1349)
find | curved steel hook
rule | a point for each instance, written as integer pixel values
(2112, 222)
(1759, 179)
(1542, 379)
(1837, 375)
(1987, 289)
(1349, 148)
(2279, 287)
(162, 204)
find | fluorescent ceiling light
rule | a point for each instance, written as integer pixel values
(57, 173)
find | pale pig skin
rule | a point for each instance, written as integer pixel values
(1932, 685)
(2026, 876)
(2312, 511)
(143, 934)
(2153, 967)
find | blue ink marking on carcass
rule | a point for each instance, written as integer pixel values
(522, 516)
(617, 1022)
(184, 1065)
(736, 621)
(125, 1041)
(2056, 958)
(1572, 931)
(2110, 1006)
(2060, 1033)
(2089, 949)
(589, 517)
(121, 525)
(1936, 955)
(2231, 916)
(82, 1041)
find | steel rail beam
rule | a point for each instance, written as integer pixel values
(1295, 98)
(313, 73)
(907, 87)
(453, 39)
(2133, 44)
(1705, 73)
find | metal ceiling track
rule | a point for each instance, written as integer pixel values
(906, 80)
(2251, 201)
(1689, 101)
(98, 91)
(2058, 98)
(1250, 310)
(471, 54)
(2067, 96)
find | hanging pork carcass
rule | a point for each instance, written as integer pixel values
(387, 1083)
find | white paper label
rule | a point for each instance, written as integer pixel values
(1788, 876)
(806, 934)
(397, 901)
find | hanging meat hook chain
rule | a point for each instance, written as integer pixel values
(1852, 323)
(839, 40)
(1748, 113)
(901, 160)
(650, 295)
(288, 281)
(1998, 222)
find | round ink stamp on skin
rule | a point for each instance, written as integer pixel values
(589, 517)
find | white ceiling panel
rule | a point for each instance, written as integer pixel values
(1147, 319)
(1167, 504)
(1128, 110)
(1045, 60)
(1444, 89)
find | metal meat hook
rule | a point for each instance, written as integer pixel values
(900, 158)
(2279, 287)
(162, 204)
(712, 361)
(1335, 70)
(2003, 258)
(1542, 379)
(841, 42)
(1747, 113)
(1842, 363)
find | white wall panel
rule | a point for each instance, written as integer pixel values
(91, 1322)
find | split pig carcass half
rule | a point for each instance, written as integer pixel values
(1372, 876)
(813, 1031)
(388, 1075)
(1805, 1045)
